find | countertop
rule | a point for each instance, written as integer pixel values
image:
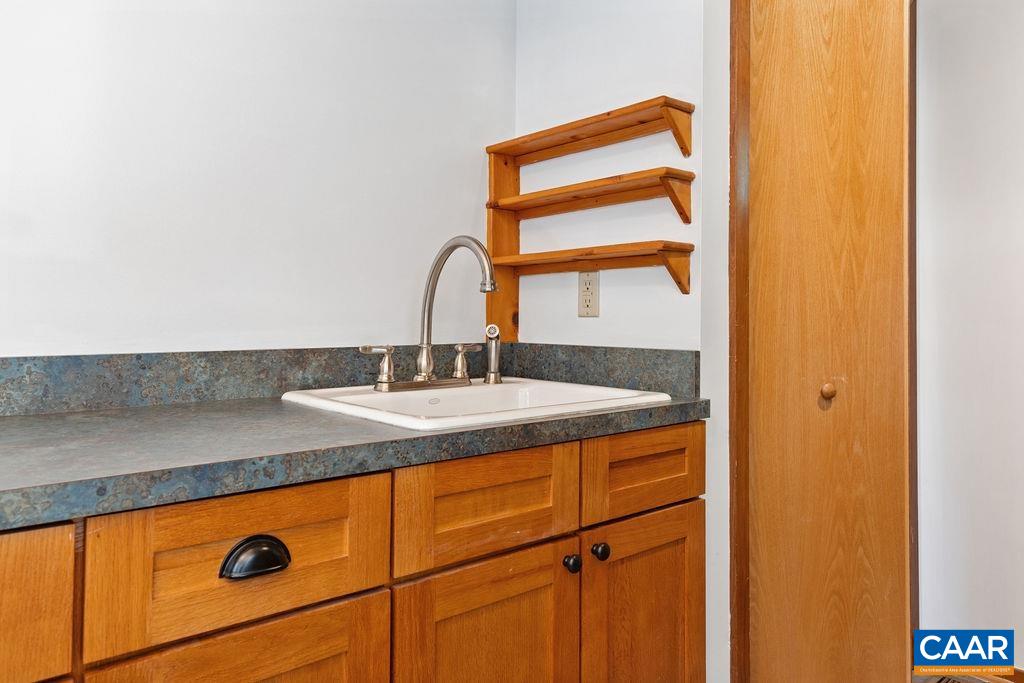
(69, 465)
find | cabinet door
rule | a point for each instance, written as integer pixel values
(643, 606)
(824, 344)
(343, 641)
(447, 512)
(510, 618)
(36, 591)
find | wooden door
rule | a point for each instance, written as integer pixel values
(643, 606)
(346, 641)
(509, 619)
(36, 593)
(822, 309)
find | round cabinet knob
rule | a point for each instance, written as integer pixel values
(828, 391)
(601, 551)
(574, 563)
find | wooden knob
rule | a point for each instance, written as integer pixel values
(828, 391)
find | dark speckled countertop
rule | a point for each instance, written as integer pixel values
(68, 465)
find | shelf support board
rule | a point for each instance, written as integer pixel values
(503, 240)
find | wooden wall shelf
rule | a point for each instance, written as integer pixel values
(674, 256)
(629, 187)
(506, 206)
(625, 123)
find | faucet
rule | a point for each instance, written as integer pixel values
(425, 359)
(425, 377)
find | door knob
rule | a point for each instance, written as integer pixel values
(601, 551)
(828, 391)
(574, 563)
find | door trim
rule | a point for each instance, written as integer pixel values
(739, 184)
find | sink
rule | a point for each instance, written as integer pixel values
(478, 404)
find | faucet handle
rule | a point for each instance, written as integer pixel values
(461, 366)
(386, 373)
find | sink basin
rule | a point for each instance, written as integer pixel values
(479, 404)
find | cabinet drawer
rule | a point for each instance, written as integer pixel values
(344, 641)
(153, 576)
(508, 618)
(36, 593)
(628, 473)
(451, 511)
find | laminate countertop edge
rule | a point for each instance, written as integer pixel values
(66, 466)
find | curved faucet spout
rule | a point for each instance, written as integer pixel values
(425, 360)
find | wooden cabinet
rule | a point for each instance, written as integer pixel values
(153, 576)
(344, 641)
(447, 512)
(36, 594)
(643, 606)
(822, 336)
(511, 618)
(535, 599)
(623, 474)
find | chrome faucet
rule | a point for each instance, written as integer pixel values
(425, 377)
(425, 359)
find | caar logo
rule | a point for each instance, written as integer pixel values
(963, 652)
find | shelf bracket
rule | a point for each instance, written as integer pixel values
(679, 193)
(678, 266)
(682, 128)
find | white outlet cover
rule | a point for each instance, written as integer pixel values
(589, 304)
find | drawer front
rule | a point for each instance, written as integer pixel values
(344, 641)
(37, 569)
(628, 473)
(451, 511)
(153, 576)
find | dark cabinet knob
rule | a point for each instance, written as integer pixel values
(574, 563)
(255, 556)
(601, 551)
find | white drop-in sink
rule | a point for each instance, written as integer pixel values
(479, 404)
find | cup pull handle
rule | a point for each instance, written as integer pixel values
(255, 556)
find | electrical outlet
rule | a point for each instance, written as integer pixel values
(589, 295)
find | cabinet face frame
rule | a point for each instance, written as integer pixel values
(673, 531)
(421, 606)
(36, 602)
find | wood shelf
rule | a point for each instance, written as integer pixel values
(674, 256)
(507, 206)
(625, 123)
(629, 187)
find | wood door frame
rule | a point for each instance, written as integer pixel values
(739, 352)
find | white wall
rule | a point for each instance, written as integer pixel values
(714, 325)
(213, 174)
(970, 236)
(575, 58)
(581, 57)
